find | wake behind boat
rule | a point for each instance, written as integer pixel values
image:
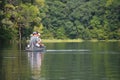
(68, 50)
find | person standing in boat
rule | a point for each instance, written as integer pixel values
(35, 41)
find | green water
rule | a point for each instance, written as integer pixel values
(61, 61)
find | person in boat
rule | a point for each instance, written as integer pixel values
(35, 41)
(40, 44)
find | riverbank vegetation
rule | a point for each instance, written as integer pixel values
(60, 19)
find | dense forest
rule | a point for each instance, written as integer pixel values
(60, 19)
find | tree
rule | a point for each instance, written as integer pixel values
(20, 17)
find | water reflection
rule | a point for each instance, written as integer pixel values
(35, 60)
(81, 66)
(61, 61)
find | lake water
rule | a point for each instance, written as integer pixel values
(61, 61)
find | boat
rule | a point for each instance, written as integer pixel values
(35, 49)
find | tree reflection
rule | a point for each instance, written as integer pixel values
(35, 60)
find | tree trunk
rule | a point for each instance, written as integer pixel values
(20, 37)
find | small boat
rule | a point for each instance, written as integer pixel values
(35, 49)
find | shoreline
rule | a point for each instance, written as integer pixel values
(74, 40)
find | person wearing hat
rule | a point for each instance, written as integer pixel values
(34, 40)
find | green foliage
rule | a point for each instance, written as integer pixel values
(61, 19)
(86, 19)
(60, 33)
(38, 28)
(7, 33)
(47, 34)
(40, 2)
(19, 18)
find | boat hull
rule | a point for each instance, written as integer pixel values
(36, 49)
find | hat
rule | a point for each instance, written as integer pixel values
(35, 32)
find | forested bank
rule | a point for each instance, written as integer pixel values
(60, 19)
